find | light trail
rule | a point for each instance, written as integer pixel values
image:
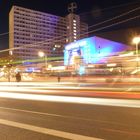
(63, 85)
(75, 100)
(65, 90)
(73, 90)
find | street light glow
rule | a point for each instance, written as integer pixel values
(41, 54)
(136, 40)
(11, 52)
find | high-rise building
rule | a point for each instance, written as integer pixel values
(31, 31)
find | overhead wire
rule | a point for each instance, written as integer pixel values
(108, 8)
(92, 31)
(116, 17)
(137, 8)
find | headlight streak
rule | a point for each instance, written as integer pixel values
(75, 100)
(43, 89)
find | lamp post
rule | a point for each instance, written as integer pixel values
(9, 65)
(42, 54)
(136, 41)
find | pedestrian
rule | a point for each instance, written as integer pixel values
(58, 78)
(18, 77)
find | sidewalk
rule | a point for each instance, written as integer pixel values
(87, 79)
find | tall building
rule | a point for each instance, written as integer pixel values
(31, 31)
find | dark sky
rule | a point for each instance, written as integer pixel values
(59, 7)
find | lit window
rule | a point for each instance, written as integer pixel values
(74, 27)
(57, 46)
(74, 24)
(74, 31)
(74, 37)
(74, 20)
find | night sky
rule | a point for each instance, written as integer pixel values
(105, 10)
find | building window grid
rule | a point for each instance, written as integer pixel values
(42, 24)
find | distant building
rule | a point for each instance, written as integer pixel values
(31, 31)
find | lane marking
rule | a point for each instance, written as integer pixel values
(47, 131)
(121, 131)
(105, 129)
(61, 116)
(75, 100)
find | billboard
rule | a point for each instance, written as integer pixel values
(92, 50)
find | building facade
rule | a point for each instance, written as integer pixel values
(31, 31)
(93, 50)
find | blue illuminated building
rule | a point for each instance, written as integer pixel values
(92, 50)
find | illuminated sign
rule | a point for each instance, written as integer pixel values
(29, 69)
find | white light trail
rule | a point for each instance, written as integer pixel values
(43, 88)
(76, 100)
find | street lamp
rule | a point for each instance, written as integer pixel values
(136, 41)
(9, 65)
(10, 52)
(42, 54)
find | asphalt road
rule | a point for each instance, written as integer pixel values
(44, 120)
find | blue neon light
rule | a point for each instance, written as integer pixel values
(92, 50)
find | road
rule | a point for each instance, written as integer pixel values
(122, 90)
(25, 115)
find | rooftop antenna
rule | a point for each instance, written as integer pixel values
(72, 7)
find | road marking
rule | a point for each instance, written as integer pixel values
(75, 100)
(47, 131)
(121, 131)
(56, 115)
(62, 116)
